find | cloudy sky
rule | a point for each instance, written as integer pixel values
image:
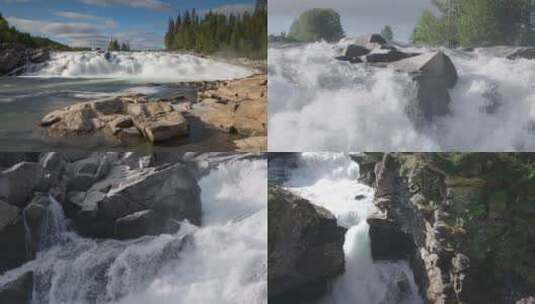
(358, 16)
(84, 22)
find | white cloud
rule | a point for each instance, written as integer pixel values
(150, 4)
(86, 34)
(77, 16)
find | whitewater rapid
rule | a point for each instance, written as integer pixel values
(330, 180)
(224, 261)
(152, 66)
(317, 103)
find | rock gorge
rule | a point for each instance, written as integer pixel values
(463, 222)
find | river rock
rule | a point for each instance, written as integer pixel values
(370, 42)
(138, 224)
(524, 53)
(17, 182)
(388, 56)
(18, 289)
(12, 237)
(156, 121)
(305, 248)
(171, 192)
(435, 74)
(238, 106)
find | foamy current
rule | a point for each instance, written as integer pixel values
(156, 66)
(317, 103)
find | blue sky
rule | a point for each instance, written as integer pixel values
(83, 22)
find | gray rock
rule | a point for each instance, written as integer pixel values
(524, 53)
(146, 222)
(84, 173)
(17, 290)
(17, 182)
(434, 74)
(305, 248)
(354, 50)
(12, 238)
(8, 214)
(389, 56)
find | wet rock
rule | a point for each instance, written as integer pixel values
(18, 289)
(355, 51)
(12, 237)
(389, 56)
(34, 214)
(387, 241)
(435, 74)
(304, 248)
(349, 59)
(17, 182)
(146, 222)
(525, 53)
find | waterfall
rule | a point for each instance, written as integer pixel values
(330, 180)
(151, 66)
(194, 265)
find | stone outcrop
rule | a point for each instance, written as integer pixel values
(450, 210)
(104, 195)
(304, 248)
(122, 116)
(523, 53)
(236, 106)
(435, 74)
(14, 58)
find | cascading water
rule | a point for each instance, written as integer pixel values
(318, 103)
(142, 65)
(194, 265)
(330, 180)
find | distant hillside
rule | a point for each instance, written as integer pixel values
(12, 35)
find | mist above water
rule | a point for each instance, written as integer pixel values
(320, 104)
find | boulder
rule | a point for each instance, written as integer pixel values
(18, 288)
(34, 214)
(355, 50)
(388, 56)
(349, 59)
(82, 174)
(305, 248)
(250, 118)
(371, 41)
(163, 126)
(17, 182)
(435, 74)
(252, 144)
(157, 121)
(9, 159)
(146, 222)
(524, 53)
(12, 237)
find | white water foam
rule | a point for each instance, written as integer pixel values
(153, 66)
(224, 261)
(320, 104)
(330, 180)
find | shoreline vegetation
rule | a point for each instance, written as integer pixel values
(215, 33)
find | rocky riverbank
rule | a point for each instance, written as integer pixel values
(462, 221)
(234, 107)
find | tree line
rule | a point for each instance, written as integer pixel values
(472, 23)
(9, 34)
(235, 34)
(115, 45)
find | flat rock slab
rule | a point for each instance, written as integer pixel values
(157, 121)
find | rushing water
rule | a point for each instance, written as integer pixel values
(317, 103)
(224, 261)
(71, 77)
(330, 180)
